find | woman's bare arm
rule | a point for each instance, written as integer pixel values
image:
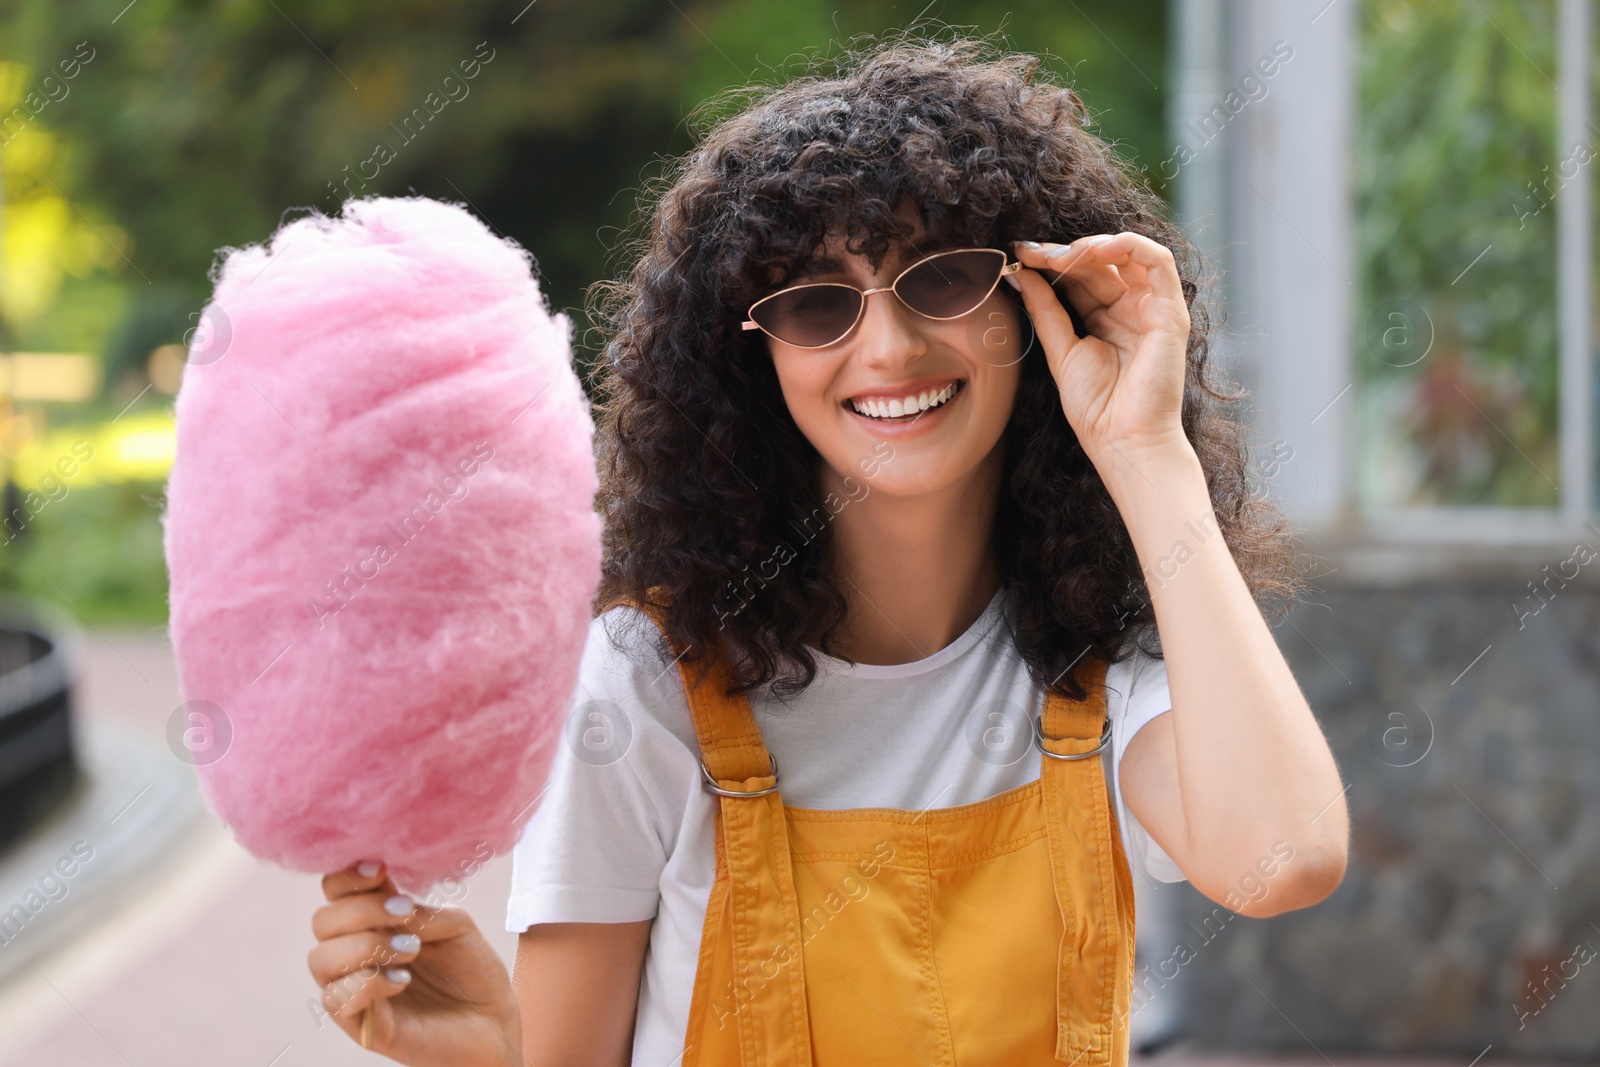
(1238, 783)
(577, 986)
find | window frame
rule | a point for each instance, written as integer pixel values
(1274, 206)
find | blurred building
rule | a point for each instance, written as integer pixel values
(1399, 197)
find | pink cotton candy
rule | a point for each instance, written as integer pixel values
(381, 540)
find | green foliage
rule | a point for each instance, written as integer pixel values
(203, 125)
(96, 552)
(1455, 150)
(199, 126)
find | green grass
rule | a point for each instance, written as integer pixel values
(95, 553)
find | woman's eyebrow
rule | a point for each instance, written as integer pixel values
(823, 265)
(829, 265)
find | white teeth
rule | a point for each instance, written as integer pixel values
(878, 408)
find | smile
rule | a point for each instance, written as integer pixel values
(908, 407)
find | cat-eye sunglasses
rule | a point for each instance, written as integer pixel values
(945, 285)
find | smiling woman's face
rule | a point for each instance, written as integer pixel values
(892, 354)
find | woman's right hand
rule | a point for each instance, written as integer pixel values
(439, 993)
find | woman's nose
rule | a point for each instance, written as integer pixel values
(889, 332)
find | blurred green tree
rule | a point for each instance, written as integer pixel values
(1456, 168)
(196, 126)
(199, 126)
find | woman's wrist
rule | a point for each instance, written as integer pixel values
(1137, 477)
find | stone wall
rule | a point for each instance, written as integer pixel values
(1464, 713)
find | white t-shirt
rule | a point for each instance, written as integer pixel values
(624, 828)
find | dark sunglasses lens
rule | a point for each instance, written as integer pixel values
(811, 316)
(950, 285)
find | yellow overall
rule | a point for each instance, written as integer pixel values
(998, 932)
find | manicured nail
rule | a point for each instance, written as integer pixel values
(1011, 280)
(406, 943)
(398, 975)
(1100, 240)
(398, 905)
(368, 868)
(1058, 251)
(1029, 244)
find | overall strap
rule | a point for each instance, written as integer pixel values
(1094, 889)
(755, 877)
(731, 747)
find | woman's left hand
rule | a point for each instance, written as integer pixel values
(1122, 384)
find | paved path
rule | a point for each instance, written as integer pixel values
(203, 963)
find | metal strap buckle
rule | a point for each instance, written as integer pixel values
(711, 783)
(1039, 739)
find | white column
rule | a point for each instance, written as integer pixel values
(1199, 32)
(1294, 287)
(1573, 270)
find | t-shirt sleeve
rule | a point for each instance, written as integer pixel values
(596, 844)
(1148, 697)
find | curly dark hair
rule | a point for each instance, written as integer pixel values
(703, 470)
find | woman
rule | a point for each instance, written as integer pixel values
(900, 507)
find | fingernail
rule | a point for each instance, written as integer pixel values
(368, 868)
(406, 943)
(1058, 251)
(1100, 240)
(398, 975)
(1029, 244)
(1011, 280)
(398, 905)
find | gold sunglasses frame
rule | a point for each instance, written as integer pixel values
(1008, 268)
